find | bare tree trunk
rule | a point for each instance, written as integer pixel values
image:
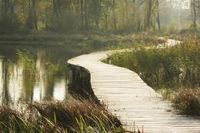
(5, 8)
(106, 17)
(194, 13)
(106, 26)
(86, 15)
(114, 15)
(148, 14)
(126, 12)
(55, 8)
(32, 16)
(158, 14)
(134, 9)
(82, 14)
(97, 17)
(134, 25)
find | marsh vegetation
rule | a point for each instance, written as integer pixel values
(171, 70)
(59, 117)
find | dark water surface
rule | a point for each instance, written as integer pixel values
(29, 73)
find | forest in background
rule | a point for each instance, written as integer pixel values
(38, 36)
(75, 16)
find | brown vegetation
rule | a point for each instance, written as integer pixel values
(59, 117)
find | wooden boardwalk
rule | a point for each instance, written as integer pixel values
(132, 100)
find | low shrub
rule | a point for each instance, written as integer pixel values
(187, 101)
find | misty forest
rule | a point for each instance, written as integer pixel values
(99, 66)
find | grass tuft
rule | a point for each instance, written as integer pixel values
(187, 101)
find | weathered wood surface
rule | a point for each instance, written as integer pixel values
(132, 100)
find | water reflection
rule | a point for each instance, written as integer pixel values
(5, 97)
(32, 77)
(15, 82)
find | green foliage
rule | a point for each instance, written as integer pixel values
(27, 60)
(51, 69)
(68, 22)
(8, 25)
(67, 16)
(28, 65)
(164, 68)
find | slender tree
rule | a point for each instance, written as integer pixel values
(32, 15)
(194, 13)
(114, 14)
(83, 15)
(148, 14)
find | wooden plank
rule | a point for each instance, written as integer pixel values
(132, 100)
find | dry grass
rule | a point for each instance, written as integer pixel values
(187, 101)
(60, 117)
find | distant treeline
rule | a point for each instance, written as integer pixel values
(78, 15)
(87, 15)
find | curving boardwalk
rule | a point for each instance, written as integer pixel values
(132, 100)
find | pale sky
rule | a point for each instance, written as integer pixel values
(184, 4)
